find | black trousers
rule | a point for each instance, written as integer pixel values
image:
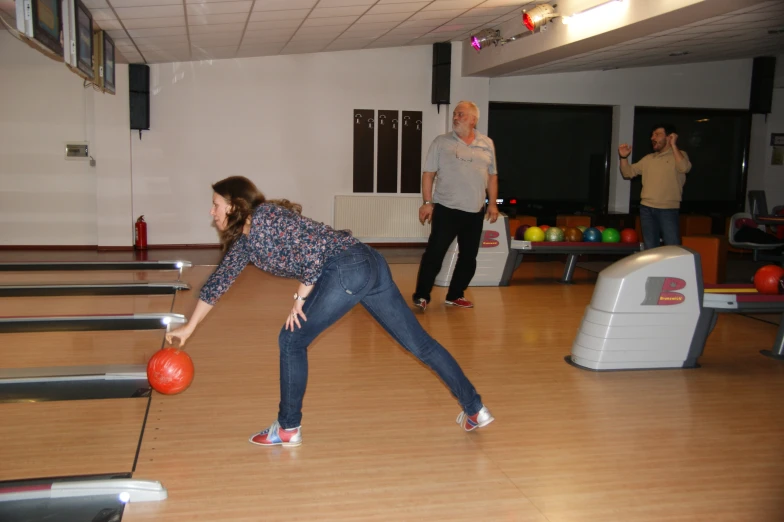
(446, 225)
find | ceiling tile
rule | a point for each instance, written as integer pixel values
(289, 14)
(338, 20)
(95, 4)
(439, 5)
(408, 7)
(273, 24)
(382, 26)
(492, 11)
(217, 28)
(142, 3)
(388, 17)
(157, 31)
(358, 32)
(160, 41)
(430, 24)
(219, 8)
(282, 5)
(157, 11)
(115, 34)
(107, 25)
(343, 3)
(228, 18)
(261, 38)
(143, 23)
(328, 12)
(215, 40)
(102, 14)
(430, 15)
(325, 30)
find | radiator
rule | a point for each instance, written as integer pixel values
(376, 218)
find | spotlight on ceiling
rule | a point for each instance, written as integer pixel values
(537, 16)
(484, 38)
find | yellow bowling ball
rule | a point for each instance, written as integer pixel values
(534, 234)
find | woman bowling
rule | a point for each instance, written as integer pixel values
(335, 272)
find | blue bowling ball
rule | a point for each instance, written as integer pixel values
(592, 235)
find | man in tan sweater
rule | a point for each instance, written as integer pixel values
(663, 175)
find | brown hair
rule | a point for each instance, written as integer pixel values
(243, 197)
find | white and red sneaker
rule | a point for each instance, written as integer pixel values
(479, 420)
(461, 302)
(277, 436)
(421, 303)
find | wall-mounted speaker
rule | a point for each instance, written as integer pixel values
(761, 99)
(139, 94)
(442, 65)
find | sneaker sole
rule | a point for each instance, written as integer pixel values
(478, 425)
(450, 303)
(284, 444)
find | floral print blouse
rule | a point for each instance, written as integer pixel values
(280, 242)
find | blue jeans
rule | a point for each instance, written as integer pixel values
(361, 275)
(659, 223)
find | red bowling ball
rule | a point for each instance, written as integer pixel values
(629, 235)
(769, 280)
(170, 371)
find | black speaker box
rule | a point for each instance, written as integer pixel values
(442, 70)
(761, 99)
(139, 95)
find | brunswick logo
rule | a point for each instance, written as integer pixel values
(661, 291)
(489, 239)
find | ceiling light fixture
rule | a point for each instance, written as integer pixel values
(537, 16)
(594, 13)
(484, 38)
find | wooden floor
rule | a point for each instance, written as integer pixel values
(380, 439)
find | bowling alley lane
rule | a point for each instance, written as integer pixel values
(70, 438)
(90, 348)
(84, 305)
(87, 276)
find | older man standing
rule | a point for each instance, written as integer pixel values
(462, 163)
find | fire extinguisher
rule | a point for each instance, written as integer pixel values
(140, 242)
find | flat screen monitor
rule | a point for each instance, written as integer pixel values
(108, 63)
(84, 39)
(48, 24)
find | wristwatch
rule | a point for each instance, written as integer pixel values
(427, 203)
(299, 297)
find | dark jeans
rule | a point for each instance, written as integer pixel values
(446, 225)
(361, 275)
(659, 223)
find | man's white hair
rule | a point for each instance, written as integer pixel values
(472, 106)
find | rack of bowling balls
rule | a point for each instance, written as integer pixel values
(579, 234)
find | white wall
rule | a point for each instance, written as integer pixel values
(763, 175)
(286, 122)
(46, 199)
(720, 85)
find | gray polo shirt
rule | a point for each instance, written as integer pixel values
(462, 170)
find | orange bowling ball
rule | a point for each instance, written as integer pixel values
(170, 371)
(573, 235)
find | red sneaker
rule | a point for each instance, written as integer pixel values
(421, 303)
(462, 302)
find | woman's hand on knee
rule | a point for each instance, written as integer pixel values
(294, 316)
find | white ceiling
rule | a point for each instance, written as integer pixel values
(158, 31)
(744, 33)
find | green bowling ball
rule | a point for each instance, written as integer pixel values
(610, 235)
(554, 234)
